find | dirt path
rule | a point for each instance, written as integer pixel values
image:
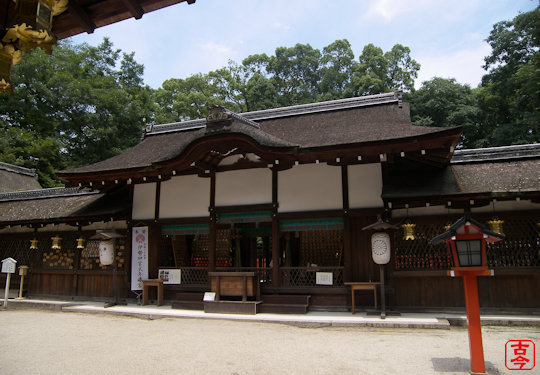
(43, 342)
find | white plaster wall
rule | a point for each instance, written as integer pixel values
(310, 187)
(184, 196)
(365, 185)
(144, 198)
(241, 187)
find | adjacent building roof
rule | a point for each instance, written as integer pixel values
(60, 205)
(354, 121)
(496, 171)
(15, 178)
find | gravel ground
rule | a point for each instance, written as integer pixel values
(44, 342)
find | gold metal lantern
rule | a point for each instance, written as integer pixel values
(408, 231)
(56, 243)
(80, 243)
(496, 225)
(34, 244)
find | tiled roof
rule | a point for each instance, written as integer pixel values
(15, 178)
(60, 204)
(360, 120)
(489, 171)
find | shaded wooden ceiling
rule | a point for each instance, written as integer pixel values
(88, 15)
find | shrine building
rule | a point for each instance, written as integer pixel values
(283, 195)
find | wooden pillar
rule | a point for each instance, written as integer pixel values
(347, 227)
(154, 239)
(213, 218)
(276, 281)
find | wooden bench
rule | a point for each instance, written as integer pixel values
(363, 286)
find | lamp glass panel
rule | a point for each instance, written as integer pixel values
(469, 253)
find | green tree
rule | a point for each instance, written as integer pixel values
(510, 91)
(337, 65)
(379, 72)
(295, 74)
(72, 108)
(446, 103)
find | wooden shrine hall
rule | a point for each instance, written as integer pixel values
(266, 210)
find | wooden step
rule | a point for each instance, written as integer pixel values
(231, 307)
(280, 308)
(189, 296)
(188, 301)
(288, 299)
(188, 305)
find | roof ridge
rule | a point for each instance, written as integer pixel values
(330, 105)
(44, 193)
(295, 110)
(18, 169)
(478, 155)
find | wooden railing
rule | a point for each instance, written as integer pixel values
(199, 275)
(306, 276)
(519, 249)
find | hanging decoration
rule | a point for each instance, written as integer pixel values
(408, 230)
(56, 243)
(408, 227)
(80, 243)
(495, 224)
(28, 25)
(34, 244)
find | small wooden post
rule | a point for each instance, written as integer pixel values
(383, 299)
(23, 271)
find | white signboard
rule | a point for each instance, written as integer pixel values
(139, 257)
(9, 265)
(324, 278)
(209, 296)
(169, 275)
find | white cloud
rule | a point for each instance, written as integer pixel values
(463, 65)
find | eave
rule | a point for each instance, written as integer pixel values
(87, 15)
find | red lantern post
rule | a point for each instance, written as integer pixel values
(466, 240)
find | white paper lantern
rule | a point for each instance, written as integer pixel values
(380, 247)
(106, 252)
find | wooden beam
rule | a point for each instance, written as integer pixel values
(213, 218)
(81, 17)
(276, 282)
(134, 8)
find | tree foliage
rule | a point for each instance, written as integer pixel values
(292, 75)
(445, 102)
(510, 91)
(72, 108)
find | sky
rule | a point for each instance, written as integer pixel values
(447, 38)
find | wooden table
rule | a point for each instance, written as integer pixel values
(152, 282)
(363, 286)
(241, 284)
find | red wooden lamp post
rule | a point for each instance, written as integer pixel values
(466, 240)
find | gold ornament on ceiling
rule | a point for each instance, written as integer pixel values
(28, 26)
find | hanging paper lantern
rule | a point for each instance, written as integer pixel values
(106, 252)
(408, 231)
(380, 247)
